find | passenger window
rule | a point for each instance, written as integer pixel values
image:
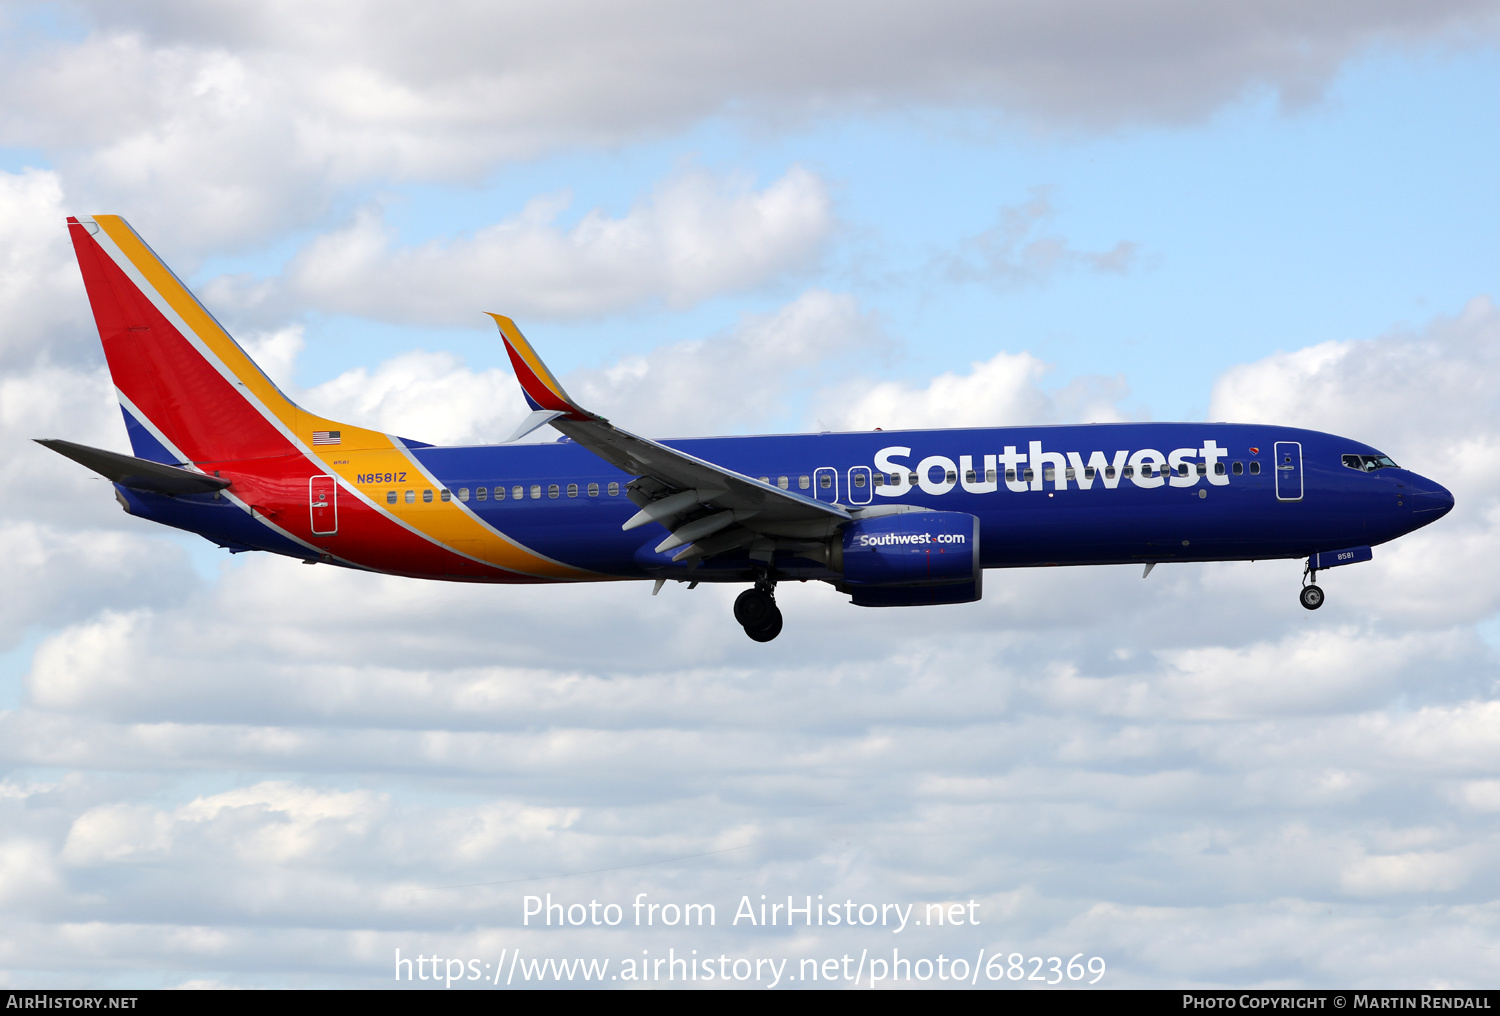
(859, 479)
(878, 479)
(481, 493)
(614, 489)
(989, 476)
(826, 482)
(1109, 472)
(572, 490)
(1069, 475)
(1255, 469)
(1049, 474)
(1203, 468)
(970, 476)
(1089, 472)
(390, 497)
(499, 493)
(1029, 476)
(411, 497)
(463, 493)
(593, 490)
(1218, 469)
(518, 492)
(1182, 469)
(1127, 472)
(912, 479)
(552, 490)
(1239, 468)
(951, 476)
(1010, 476)
(445, 495)
(781, 481)
(536, 491)
(427, 497)
(804, 482)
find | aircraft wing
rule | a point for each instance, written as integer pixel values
(708, 508)
(140, 474)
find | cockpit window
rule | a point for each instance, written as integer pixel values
(1369, 463)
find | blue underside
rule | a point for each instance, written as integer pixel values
(222, 522)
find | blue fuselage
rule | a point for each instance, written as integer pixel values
(1071, 495)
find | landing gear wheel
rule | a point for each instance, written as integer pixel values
(769, 630)
(756, 611)
(1311, 597)
(754, 608)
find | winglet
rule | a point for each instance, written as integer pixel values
(541, 389)
(539, 418)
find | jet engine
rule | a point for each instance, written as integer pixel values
(909, 559)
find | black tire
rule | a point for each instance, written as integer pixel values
(1311, 597)
(769, 630)
(753, 609)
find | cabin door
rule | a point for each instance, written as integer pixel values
(323, 502)
(1288, 471)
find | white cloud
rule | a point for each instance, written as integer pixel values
(1001, 391)
(42, 301)
(674, 390)
(1416, 872)
(430, 397)
(696, 237)
(270, 823)
(251, 116)
(681, 390)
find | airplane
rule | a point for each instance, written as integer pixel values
(888, 518)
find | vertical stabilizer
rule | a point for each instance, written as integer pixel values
(189, 392)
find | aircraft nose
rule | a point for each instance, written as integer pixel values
(1429, 501)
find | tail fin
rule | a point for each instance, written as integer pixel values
(188, 391)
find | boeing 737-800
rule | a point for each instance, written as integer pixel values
(889, 518)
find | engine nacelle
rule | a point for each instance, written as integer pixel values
(911, 558)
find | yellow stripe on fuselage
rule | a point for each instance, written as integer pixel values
(360, 450)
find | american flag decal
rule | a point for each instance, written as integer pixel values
(324, 437)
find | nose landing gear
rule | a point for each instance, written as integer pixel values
(756, 610)
(1312, 593)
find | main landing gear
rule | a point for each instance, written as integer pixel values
(1312, 593)
(756, 610)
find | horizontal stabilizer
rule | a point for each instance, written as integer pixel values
(138, 474)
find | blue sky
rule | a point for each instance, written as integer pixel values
(246, 772)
